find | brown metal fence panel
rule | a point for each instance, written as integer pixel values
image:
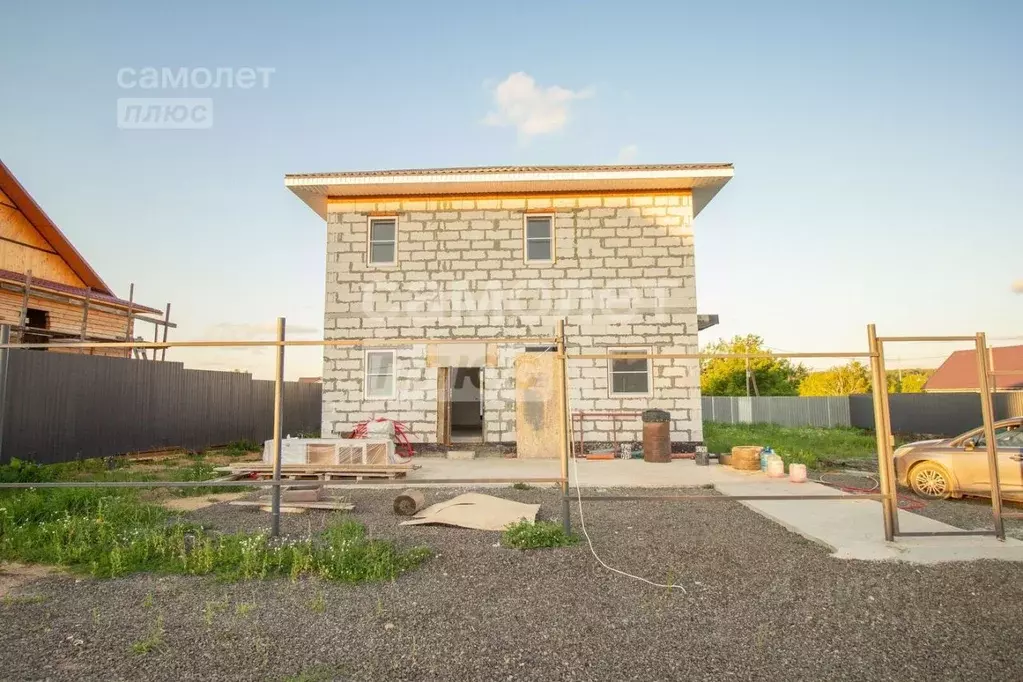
(61, 407)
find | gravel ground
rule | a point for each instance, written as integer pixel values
(968, 513)
(760, 603)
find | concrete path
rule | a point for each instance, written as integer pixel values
(850, 529)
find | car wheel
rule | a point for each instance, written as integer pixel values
(931, 481)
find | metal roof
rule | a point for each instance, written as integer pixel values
(516, 169)
(959, 371)
(78, 292)
(704, 180)
(49, 230)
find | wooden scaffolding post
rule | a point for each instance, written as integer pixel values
(24, 307)
(131, 312)
(166, 326)
(275, 504)
(987, 412)
(880, 430)
(85, 312)
(563, 426)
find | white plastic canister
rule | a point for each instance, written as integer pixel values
(797, 473)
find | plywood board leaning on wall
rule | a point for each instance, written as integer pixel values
(536, 405)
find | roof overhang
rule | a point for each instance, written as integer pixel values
(703, 180)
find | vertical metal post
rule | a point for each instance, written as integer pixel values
(5, 338)
(166, 319)
(275, 505)
(563, 444)
(880, 431)
(987, 410)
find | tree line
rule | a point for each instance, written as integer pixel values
(779, 376)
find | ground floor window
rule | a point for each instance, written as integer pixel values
(379, 374)
(629, 377)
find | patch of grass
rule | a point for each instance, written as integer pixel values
(244, 608)
(318, 603)
(521, 486)
(536, 535)
(211, 609)
(109, 534)
(148, 602)
(9, 600)
(152, 641)
(804, 444)
(314, 673)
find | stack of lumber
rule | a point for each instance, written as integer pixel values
(298, 499)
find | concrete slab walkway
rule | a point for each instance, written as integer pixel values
(850, 529)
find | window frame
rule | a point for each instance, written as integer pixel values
(366, 375)
(619, 350)
(369, 240)
(526, 217)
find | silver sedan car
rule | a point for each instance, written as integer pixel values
(953, 467)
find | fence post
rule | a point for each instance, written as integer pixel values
(880, 432)
(983, 377)
(275, 505)
(5, 338)
(563, 444)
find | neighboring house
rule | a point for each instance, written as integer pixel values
(959, 371)
(506, 252)
(48, 292)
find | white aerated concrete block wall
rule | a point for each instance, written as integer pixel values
(623, 276)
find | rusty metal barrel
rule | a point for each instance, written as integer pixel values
(656, 436)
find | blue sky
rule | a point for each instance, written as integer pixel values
(876, 146)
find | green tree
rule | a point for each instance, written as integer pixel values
(908, 380)
(727, 376)
(853, 377)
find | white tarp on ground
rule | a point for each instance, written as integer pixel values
(473, 510)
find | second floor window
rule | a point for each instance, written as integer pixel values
(539, 239)
(383, 241)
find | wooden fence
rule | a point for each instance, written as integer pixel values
(60, 407)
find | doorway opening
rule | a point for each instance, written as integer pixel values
(466, 399)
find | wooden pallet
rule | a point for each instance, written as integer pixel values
(322, 472)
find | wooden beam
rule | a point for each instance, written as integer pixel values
(166, 319)
(85, 312)
(24, 302)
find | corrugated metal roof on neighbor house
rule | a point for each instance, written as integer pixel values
(959, 371)
(94, 296)
(34, 213)
(487, 170)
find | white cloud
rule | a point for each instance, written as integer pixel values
(532, 110)
(628, 153)
(1017, 286)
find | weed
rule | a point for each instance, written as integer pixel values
(147, 603)
(211, 609)
(152, 641)
(521, 486)
(244, 608)
(95, 616)
(535, 535)
(110, 534)
(380, 605)
(314, 673)
(318, 604)
(10, 600)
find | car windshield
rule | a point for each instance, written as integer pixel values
(1008, 436)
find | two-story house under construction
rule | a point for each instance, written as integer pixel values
(506, 252)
